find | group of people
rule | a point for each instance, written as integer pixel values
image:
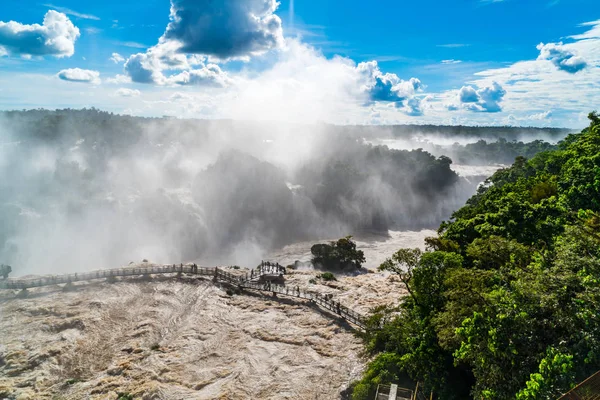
(193, 266)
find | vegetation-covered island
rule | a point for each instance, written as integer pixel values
(505, 303)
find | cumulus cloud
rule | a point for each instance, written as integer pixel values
(124, 92)
(413, 107)
(467, 94)
(486, 99)
(150, 67)
(209, 75)
(562, 58)
(117, 58)
(79, 75)
(56, 36)
(386, 87)
(144, 68)
(216, 30)
(538, 84)
(200, 36)
(225, 28)
(541, 116)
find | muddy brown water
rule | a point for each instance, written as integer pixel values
(187, 339)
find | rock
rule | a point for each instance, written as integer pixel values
(114, 371)
(5, 392)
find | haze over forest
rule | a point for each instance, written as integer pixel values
(88, 189)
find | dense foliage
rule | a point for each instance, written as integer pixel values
(338, 255)
(504, 304)
(377, 188)
(501, 151)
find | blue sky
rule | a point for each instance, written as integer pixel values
(517, 62)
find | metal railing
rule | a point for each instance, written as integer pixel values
(250, 281)
(586, 390)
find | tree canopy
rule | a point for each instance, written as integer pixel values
(338, 255)
(504, 303)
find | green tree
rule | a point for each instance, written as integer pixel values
(504, 304)
(340, 254)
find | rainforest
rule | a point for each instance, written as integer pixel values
(503, 304)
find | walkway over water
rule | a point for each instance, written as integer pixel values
(261, 279)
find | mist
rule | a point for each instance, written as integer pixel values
(87, 189)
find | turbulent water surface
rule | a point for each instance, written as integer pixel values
(188, 339)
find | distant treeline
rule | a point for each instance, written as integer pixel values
(486, 132)
(368, 131)
(483, 152)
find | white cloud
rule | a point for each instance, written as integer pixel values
(540, 85)
(135, 45)
(150, 67)
(124, 92)
(224, 28)
(80, 75)
(413, 107)
(209, 75)
(55, 37)
(561, 57)
(389, 87)
(178, 96)
(486, 99)
(216, 30)
(541, 116)
(305, 86)
(593, 33)
(533, 85)
(117, 58)
(68, 11)
(468, 94)
(298, 83)
(119, 79)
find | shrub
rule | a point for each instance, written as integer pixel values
(327, 276)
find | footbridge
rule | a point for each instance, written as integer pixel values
(266, 278)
